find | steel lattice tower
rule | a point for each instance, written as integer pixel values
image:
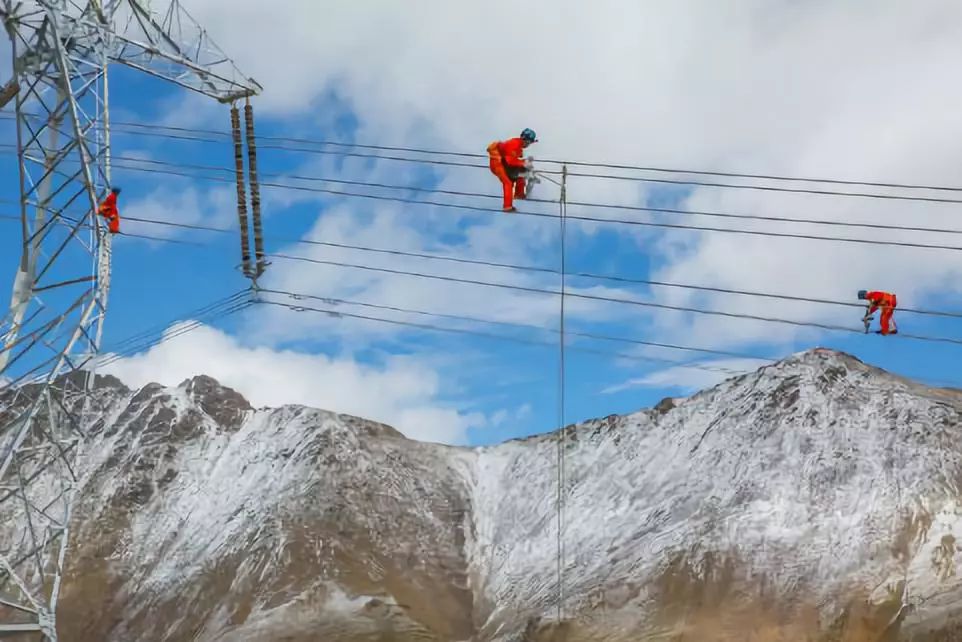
(61, 50)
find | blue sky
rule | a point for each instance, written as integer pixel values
(470, 389)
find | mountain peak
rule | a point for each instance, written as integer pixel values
(820, 357)
(225, 405)
(834, 363)
(204, 385)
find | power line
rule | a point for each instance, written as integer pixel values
(136, 343)
(869, 195)
(588, 275)
(231, 304)
(204, 310)
(596, 297)
(696, 183)
(190, 327)
(651, 282)
(523, 326)
(555, 271)
(767, 188)
(476, 155)
(127, 352)
(606, 277)
(13, 217)
(189, 226)
(600, 165)
(634, 208)
(205, 318)
(776, 219)
(485, 335)
(572, 348)
(591, 219)
(231, 310)
(617, 221)
(771, 177)
(549, 270)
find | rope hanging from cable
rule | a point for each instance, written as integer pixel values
(561, 395)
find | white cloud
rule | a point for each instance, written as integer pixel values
(402, 392)
(177, 204)
(684, 81)
(690, 377)
(504, 416)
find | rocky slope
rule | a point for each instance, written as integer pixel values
(815, 499)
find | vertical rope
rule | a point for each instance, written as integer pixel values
(241, 195)
(255, 188)
(561, 397)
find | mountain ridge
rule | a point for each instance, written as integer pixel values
(816, 498)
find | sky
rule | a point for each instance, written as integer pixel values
(842, 90)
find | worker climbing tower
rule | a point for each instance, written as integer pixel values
(50, 337)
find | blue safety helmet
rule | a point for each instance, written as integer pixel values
(528, 135)
(862, 294)
(115, 190)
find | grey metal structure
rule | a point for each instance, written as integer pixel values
(49, 338)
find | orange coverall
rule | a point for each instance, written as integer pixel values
(108, 209)
(505, 158)
(884, 300)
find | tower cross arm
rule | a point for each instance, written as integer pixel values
(172, 45)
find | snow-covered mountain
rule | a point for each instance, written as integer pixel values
(815, 499)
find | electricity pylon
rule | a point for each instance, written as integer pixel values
(50, 337)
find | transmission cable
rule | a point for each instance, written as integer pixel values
(210, 307)
(809, 191)
(607, 277)
(487, 335)
(634, 208)
(222, 135)
(592, 219)
(436, 152)
(547, 270)
(767, 188)
(207, 314)
(580, 349)
(522, 326)
(14, 217)
(617, 221)
(596, 297)
(220, 310)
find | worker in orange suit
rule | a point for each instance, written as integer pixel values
(506, 160)
(884, 300)
(108, 209)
